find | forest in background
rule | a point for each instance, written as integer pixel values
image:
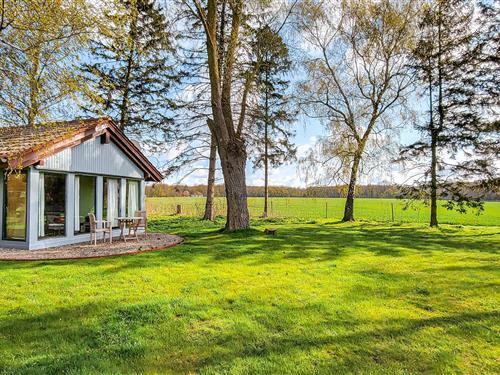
(337, 191)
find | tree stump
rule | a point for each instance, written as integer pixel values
(271, 231)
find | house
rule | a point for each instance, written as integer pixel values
(53, 175)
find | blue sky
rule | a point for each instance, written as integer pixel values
(307, 131)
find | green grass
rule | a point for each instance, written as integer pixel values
(333, 208)
(320, 298)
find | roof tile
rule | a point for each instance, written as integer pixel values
(18, 140)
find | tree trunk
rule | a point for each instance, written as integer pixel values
(435, 132)
(233, 159)
(231, 148)
(349, 203)
(209, 204)
(434, 222)
(266, 156)
(266, 185)
(124, 106)
(34, 87)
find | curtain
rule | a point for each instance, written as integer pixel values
(41, 205)
(133, 197)
(113, 201)
(77, 204)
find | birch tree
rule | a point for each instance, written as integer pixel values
(356, 77)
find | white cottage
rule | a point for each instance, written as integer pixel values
(54, 175)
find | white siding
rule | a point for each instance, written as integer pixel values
(94, 158)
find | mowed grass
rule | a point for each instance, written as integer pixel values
(319, 298)
(370, 209)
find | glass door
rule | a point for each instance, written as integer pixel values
(52, 205)
(15, 206)
(85, 198)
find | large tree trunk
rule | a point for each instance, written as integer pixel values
(231, 148)
(233, 159)
(349, 203)
(209, 204)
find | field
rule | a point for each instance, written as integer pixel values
(382, 210)
(320, 298)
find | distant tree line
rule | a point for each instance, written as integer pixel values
(338, 191)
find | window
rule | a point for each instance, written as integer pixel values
(132, 197)
(111, 200)
(85, 198)
(15, 187)
(52, 205)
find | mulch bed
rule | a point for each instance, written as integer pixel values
(154, 241)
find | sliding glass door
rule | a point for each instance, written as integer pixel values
(52, 205)
(111, 201)
(14, 212)
(85, 199)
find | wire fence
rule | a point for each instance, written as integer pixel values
(383, 210)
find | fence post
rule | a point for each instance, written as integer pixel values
(392, 211)
(179, 209)
(326, 210)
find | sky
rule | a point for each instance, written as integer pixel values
(307, 132)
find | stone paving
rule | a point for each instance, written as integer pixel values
(153, 241)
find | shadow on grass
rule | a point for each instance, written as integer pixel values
(175, 335)
(319, 242)
(325, 242)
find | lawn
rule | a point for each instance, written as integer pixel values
(383, 210)
(320, 298)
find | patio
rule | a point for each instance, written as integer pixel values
(153, 241)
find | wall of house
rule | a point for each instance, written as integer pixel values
(94, 158)
(88, 158)
(70, 237)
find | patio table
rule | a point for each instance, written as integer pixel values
(124, 221)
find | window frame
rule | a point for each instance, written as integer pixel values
(105, 196)
(75, 233)
(127, 180)
(4, 208)
(65, 174)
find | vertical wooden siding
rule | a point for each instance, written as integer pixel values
(94, 158)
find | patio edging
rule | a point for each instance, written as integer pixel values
(179, 241)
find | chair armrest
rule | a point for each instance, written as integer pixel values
(104, 224)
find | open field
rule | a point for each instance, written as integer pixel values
(316, 208)
(320, 298)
